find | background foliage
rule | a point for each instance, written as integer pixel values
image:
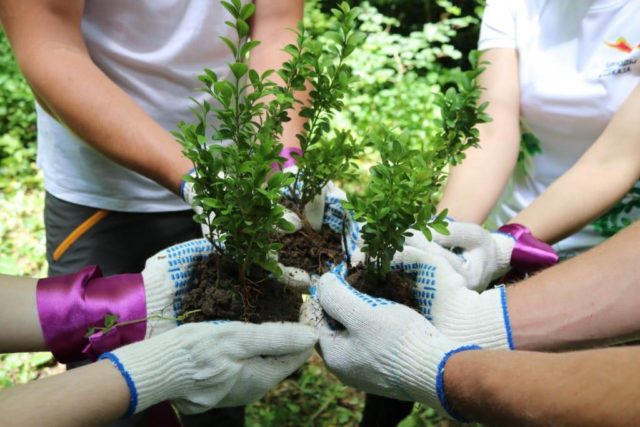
(412, 52)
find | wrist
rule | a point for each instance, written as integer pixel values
(529, 253)
(153, 370)
(186, 191)
(460, 382)
(420, 369)
(469, 317)
(68, 306)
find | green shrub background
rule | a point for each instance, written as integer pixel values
(414, 49)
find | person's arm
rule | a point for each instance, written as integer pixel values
(591, 299)
(475, 185)
(274, 24)
(48, 44)
(602, 176)
(88, 396)
(20, 330)
(597, 387)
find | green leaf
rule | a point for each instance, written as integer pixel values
(247, 11)
(110, 320)
(243, 28)
(239, 69)
(230, 44)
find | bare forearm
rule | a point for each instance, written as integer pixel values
(88, 396)
(601, 177)
(475, 185)
(274, 24)
(574, 201)
(19, 323)
(587, 300)
(103, 115)
(49, 46)
(597, 387)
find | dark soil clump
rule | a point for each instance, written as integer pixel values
(311, 250)
(220, 298)
(397, 286)
(308, 249)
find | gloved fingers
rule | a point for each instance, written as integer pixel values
(275, 339)
(267, 371)
(314, 211)
(462, 235)
(293, 219)
(311, 313)
(419, 241)
(345, 304)
(296, 279)
(414, 260)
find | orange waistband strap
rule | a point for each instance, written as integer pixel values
(78, 232)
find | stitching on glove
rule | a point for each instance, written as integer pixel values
(179, 256)
(505, 314)
(440, 379)
(395, 378)
(133, 392)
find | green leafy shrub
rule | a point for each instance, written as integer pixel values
(235, 185)
(401, 67)
(17, 125)
(402, 192)
(327, 155)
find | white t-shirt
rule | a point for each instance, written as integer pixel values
(579, 60)
(154, 50)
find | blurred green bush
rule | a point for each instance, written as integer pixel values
(412, 51)
(17, 126)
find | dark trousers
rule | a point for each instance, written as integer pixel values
(120, 242)
(384, 412)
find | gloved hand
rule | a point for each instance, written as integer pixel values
(206, 365)
(385, 348)
(166, 277)
(325, 208)
(485, 256)
(460, 313)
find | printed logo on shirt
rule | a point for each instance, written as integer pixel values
(623, 66)
(622, 45)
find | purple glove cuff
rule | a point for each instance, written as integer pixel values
(69, 305)
(529, 254)
(287, 153)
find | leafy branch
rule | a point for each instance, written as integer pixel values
(327, 155)
(403, 191)
(234, 183)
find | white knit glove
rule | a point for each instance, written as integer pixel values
(485, 256)
(318, 211)
(460, 313)
(382, 347)
(188, 193)
(206, 365)
(166, 277)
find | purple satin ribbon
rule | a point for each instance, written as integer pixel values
(69, 305)
(529, 254)
(287, 154)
